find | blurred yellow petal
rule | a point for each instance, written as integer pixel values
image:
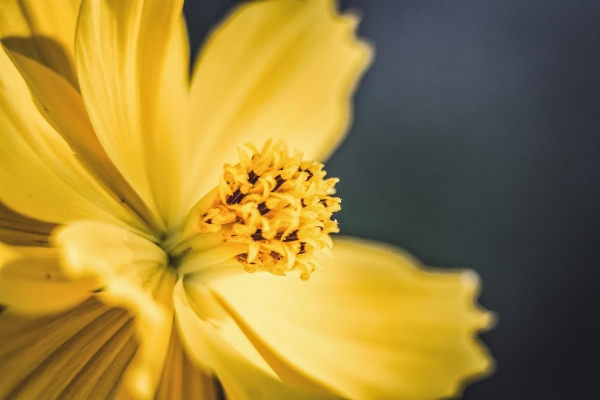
(413, 329)
(18, 230)
(42, 31)
(31, 280)
(240, 378)
(39, 174)
(274, 69)
(80, 353)
(96, 249)
(121, 49)
(134, 276)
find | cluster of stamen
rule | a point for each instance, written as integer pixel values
(277, 204)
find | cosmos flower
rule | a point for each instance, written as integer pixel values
(169, 237)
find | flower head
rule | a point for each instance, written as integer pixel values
(146, 252)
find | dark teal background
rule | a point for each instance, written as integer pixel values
(476, 143)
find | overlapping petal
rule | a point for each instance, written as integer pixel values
(39, 38)
(60, 103)
(208, 310)
(275, 69)
(40, 176)
(412, 331)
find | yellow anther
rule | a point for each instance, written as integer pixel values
(277, 204)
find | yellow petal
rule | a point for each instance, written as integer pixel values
(240, 378)
(80, 353)
(121, 50)
(31, 281)
(43, 31)
(372, 325)
(274, 69)
(18, 230)
(39, 174)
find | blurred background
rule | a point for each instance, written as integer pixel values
(476, 143)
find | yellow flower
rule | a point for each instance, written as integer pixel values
(144, 254)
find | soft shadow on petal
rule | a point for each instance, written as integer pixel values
(18, 230)
(32, 281)
(240, 378)
(182, 380)
(80, 353)
(372, 325)
(274, 69)
(40, 176)
(42, 31)
(121, 51)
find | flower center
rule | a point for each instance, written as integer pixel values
(273, 208)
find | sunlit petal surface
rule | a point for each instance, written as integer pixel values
(412, 329)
